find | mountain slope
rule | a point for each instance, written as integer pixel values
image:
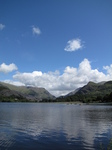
(28, 93)
(96, 88)
(92, 92)
(73, 92)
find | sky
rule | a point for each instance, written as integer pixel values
(59, 45)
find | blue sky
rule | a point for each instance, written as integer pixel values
(56, 44)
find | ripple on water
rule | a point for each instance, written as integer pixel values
(53, 126)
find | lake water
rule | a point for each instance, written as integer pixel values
(36, 126)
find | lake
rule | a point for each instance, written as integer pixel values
(54, 126)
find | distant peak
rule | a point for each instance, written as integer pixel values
(91, 83)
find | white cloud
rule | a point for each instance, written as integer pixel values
(17, 83)
(2, 26)
(73, 45)
(7, 68)
(36, 30)
(71, 78)
(109, 69)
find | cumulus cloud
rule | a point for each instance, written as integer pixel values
(73, 45)
(7, 68)
(2, 26)
(109, 69)
(71, 78)
(17, 83)
(36, 30)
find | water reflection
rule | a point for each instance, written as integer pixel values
(54, 126)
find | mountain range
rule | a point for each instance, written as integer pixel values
(92, 92)
(9, 92)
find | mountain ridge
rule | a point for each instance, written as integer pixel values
(91, 92)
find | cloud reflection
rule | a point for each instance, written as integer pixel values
(61, 124)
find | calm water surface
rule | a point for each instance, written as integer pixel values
(36, 126)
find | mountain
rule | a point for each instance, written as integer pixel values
(23, 93)
(73, 92)
(92, 92)
(96, 88)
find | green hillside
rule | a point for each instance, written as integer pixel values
(92, 92)
(24, 92)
